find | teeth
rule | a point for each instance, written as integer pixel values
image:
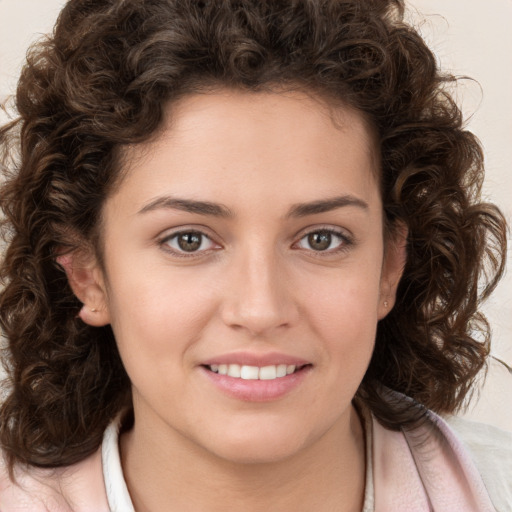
(249, 372)
(281, 370)
(268, 373)
(253, 372)
(234, 370)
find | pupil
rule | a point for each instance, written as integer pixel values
(319, 241)
(189, 242)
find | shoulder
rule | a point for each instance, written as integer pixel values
(454, 456)
(491, 451)
(76, 488)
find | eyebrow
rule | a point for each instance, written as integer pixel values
(326, 205)
(219, 210)
(188, 205)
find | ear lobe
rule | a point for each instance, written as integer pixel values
(395, 258)
(86, 281)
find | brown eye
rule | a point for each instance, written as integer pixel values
(324, 240)
(320, 241)
(189, 242)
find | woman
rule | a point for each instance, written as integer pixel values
(246, 251)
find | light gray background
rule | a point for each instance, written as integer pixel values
(471, 38)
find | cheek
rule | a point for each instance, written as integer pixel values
(157, 316)
(342, 309)
(349, 298)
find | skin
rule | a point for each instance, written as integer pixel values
(255, 285)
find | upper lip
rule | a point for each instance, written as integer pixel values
(254, 359)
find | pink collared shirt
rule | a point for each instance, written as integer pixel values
(421, 470)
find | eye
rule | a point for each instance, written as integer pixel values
(188, 242)
(323, 240)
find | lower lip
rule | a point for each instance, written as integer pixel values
(257, 390)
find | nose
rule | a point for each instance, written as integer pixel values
(259, 298)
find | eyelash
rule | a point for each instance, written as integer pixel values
(345, 242)
(180, 253)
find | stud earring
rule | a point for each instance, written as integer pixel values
(386, 304)
(94, 310)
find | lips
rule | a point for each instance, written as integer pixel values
(247, 372)
(256, 377)
(255, 359)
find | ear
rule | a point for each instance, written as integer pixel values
(395, 257)
(86, 280)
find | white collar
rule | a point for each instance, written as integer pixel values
(117, 492)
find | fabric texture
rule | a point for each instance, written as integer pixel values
(491, 450)
(77, 488)
(430, 468)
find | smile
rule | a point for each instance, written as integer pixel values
(253, 383)
(246, 372)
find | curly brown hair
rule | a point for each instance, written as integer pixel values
(103, 79)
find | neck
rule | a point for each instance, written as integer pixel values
(326, 476)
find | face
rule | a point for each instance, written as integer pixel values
(246, 239)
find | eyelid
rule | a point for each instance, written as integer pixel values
(172, 233)
(347, 237)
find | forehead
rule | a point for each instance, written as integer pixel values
(308, 113)
(266, 143)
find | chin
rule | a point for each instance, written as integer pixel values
(260, 445)
(256, 454)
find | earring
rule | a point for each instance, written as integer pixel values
(386, 304)
(94, 310)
